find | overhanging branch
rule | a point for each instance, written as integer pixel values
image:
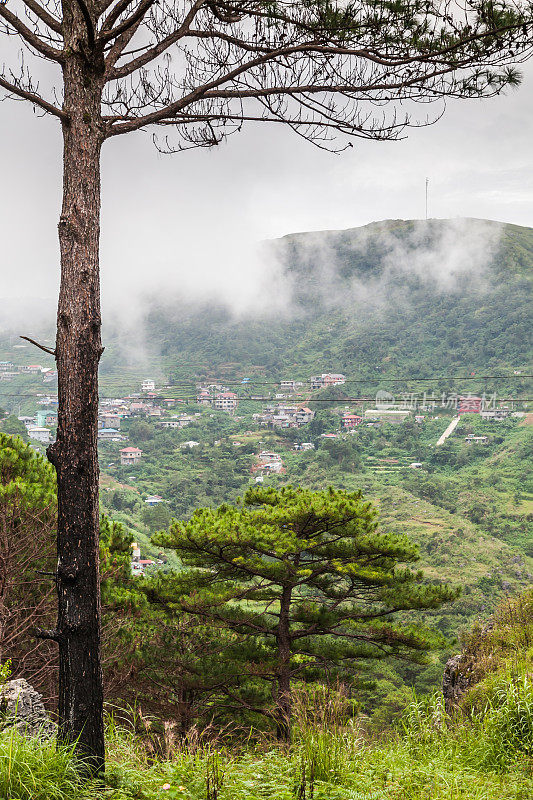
(29, 36)
(18, 91)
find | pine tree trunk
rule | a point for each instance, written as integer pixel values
(283, 695)
(74, 455)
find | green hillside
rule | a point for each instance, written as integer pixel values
(396, 298)
(390, 299)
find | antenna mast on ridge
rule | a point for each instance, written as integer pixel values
(427, 184)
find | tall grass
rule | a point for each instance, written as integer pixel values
(325, 737)
(31, 769)
(483, 755)
(507, 725)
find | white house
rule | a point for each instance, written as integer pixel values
(497, 414)
(39, 434)
(226, 401)
(110, 435)
(32, 369)
(148, 385)
(271, 462)
(304, 415)
(266, 457)
(153, 500)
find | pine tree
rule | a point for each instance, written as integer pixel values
(307, 580)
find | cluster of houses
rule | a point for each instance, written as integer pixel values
(138, 564)
(284, 416)
(279, 415)
(218, 397)
(268, 463)
(40, 426)
(315, 382)
(150, 406)
(327, 379)
(9, 370)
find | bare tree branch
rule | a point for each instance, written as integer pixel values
(131, 21)
(33, 98)
(29, 37)
(115, 13)
(160, 48)
(48, 19)
(40, 346)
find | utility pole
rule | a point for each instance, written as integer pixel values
(427, 184)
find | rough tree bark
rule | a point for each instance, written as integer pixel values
(74, 454)
(283, 694)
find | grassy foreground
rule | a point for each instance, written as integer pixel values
(489, 755)
(483, 752)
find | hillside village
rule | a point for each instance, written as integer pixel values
(154, 406)
(443, 461)
(288, 411)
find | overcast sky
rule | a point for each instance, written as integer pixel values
(191, 220)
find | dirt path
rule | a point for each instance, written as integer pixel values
(449, 430)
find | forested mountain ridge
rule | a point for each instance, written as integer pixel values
(392, 298)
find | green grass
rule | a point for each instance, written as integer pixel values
(486, 755)
(35, 770)
(428, 759)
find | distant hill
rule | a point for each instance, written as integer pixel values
(390, 299)
(394, 298)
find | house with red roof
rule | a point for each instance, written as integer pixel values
(226, 401)
(130, 455)
(351, 421)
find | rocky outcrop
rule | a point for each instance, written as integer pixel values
(22, 707)
(458, 678)
(463, 670)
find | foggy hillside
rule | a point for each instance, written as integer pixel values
(392, 298)
(395, 297)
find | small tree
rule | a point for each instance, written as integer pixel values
(28, 511)
(309, 577)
